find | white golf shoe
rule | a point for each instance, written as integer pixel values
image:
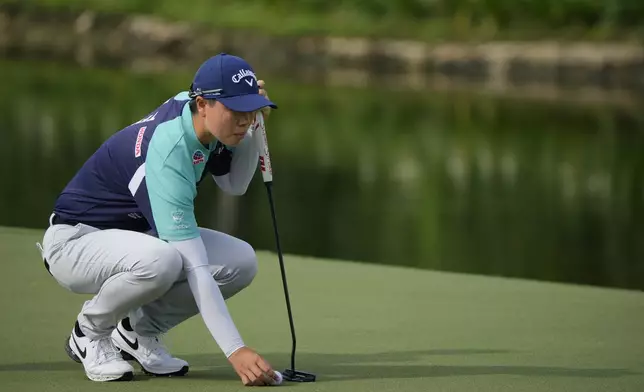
(149, 352)
(100, 358)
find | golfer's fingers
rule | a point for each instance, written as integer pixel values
(266, 367)
(253, 380)
(262, 91)
(267, 379)
(244, 378)
(260, 381)
(258, 375)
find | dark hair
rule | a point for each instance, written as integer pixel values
(193, 106)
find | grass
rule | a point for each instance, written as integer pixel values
(341, 21)
(380, 328)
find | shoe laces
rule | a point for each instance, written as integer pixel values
(155, 345)
(106, 350)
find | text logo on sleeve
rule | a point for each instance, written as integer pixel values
(139, 142)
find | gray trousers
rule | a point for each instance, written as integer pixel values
(138, 275)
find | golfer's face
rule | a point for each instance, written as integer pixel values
(227, 126)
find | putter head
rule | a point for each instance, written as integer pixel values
(297, 376)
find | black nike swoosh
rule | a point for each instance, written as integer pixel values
(135, 345)
(83, 353)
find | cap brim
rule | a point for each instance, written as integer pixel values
(246, 103)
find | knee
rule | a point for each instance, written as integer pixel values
(247, 265)
(163, 267)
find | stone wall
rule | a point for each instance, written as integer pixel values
(587, 71)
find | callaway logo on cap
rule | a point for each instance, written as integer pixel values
(231, 81)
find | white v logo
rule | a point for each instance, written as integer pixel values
(250, 82)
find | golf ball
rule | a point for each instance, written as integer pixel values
(278, 378)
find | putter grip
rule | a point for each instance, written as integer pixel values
(259, 134)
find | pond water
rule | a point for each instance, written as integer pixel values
(457, 182)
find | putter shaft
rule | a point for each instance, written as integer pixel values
(269, 190)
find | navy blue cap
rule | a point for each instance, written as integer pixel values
(230, 80)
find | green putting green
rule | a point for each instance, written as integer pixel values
(360, 328)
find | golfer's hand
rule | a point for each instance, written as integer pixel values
(262, 91)
(251, 368)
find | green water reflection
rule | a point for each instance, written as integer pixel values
(451, 182)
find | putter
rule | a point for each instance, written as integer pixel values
(267, 175)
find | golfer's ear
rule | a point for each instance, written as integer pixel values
(201, 105)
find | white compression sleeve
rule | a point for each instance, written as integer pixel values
(207, 295)
(242, 167)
